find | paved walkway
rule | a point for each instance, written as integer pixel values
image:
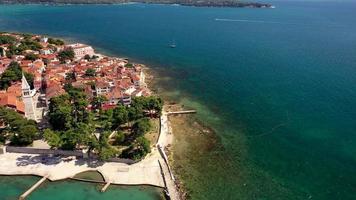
(145, 172)
(166, 137)
(58, 168)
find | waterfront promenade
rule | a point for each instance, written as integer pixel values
(146, 172)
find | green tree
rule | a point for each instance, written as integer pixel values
(25, 135)
(134, 113)
(98, 101)
(7, 39)
(105, 150)
(18, 129)
(79, 104)
(14, 73)
(55, 41)
(90, 72)
(6, 78)
(138, 150)
(52, 137)
(105, 119)
(14, 50)
(68, 140)
(119, 138)
(120, 115)
(31, 56)
(60, 112)
(143, 144)
(29, 44)
(107, 153)
(129, 65)
(141, 126)
(87, 57)
(151, 104)
(71, 76)
(78, 136)
(66, 54)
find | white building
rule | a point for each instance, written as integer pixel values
(46, 51)
(80, 50)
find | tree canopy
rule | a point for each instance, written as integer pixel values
(90, 72)
(7, 39)
(55, 41)
(74, 124)
(137, 150)
(13, 73)
(66, 54)
(141, 126)
(31, 56)
(19, 130)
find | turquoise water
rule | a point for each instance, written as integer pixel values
(277, 85)
(12, 187)
(76, 190)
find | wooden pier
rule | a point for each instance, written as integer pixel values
(29, 191)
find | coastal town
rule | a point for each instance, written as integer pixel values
(64, 103)
(114, 78)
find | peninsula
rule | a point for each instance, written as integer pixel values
(65, 109)
(197, 3)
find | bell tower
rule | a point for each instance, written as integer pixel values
(27, 99)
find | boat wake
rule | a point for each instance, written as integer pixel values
(248, 21)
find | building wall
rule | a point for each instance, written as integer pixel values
(10, 149)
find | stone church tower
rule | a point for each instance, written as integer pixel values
(27, 99)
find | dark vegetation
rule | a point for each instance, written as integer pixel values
(88, 58)
(6, 39)
(12, 74)
(16, 48)
(31, 57)
(16, 128)
(90, 72)
(66, 54)
(55, 41)
(199, 3)
(74, 125)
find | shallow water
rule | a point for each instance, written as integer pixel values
(12, 187)
(78, 190)
(278, 86)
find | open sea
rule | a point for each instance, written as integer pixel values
(278, 87)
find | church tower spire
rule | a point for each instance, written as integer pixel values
(27, 99)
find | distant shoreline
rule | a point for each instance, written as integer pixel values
(203, 3)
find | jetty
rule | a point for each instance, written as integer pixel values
(105, 187)
(29, 191)
(181, 112)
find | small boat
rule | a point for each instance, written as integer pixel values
(173, 45)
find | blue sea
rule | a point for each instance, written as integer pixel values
(277, 86)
